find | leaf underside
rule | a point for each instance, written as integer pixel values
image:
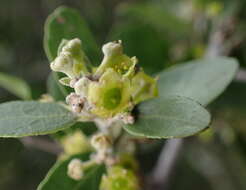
(172, 117)
(201, 80)
(26, 118)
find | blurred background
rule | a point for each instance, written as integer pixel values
(161, 33)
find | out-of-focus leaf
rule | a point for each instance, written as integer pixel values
(67, 23)
(171, 117)
(201, 80)
(26, 118)
(144, 42)
(222, 165)
(146, 30)
(231, 107)
(57, 177)
(92, 180)
(155, 15)
(16, 86)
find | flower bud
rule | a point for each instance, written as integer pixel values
(119, 178)
(63, 63)
(74, 47)
(112, 48)
(75, 143)
(115, 59)
(101, 142)
(75, 169)
(71, 60)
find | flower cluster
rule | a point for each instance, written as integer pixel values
(108, 91)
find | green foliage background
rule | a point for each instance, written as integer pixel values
(160, 36)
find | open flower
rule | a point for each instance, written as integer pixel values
(110, 95)
(112, 89)
(115, 59)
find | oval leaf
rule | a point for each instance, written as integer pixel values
(66, 23)
(28, 118)
(57, 177)
(201, 80)
(16, 86)
(171, 117)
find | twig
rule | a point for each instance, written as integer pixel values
(169, 154)
(164, 167)
(41, 144)
(241, 76)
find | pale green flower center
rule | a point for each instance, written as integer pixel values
(112, 98)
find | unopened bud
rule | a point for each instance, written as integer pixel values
(72, 45)
(75, 143)
(75, 169)
(101, 142)
(63, 63)
(112, 48)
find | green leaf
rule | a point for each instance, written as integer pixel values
(57, 177)
(171, 117)
(67, 23)
(16, 86)
(92, 180)
(26, 118)
(201, 80)
(160, 17)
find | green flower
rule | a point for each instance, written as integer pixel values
(143, 87)
(112, 89)
(75, 143)
(119, 178)
(115, 59)
(71, 60)
(110, 95)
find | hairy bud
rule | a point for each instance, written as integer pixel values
(75, 169)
